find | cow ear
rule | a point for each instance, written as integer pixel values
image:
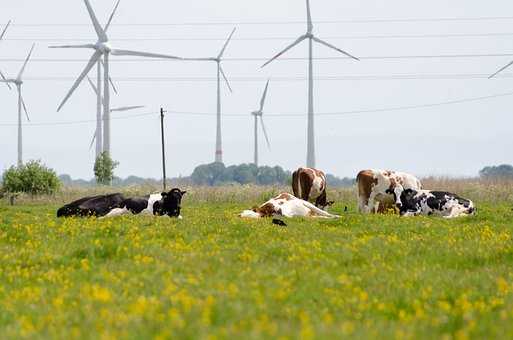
(164, 194)
(184, 192)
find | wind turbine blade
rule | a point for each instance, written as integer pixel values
(92, 85)
(73, 46)
(142, 54)
(298, 40)
(226, 44)
(225, 79)
(262, 101)
(4, 80)
(92, 141)
(25, 108)
(89, 66)
(199, 59)
(111, 16)
(502, 69)
(322, 42)
(5, 30)
(97, 27)
(265, 133)
(110, 80)
(127, 108)
(25, 64)
(309, 17)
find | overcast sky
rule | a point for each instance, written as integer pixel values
(454, 139)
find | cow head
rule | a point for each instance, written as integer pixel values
(322, 202)
(170, 204)
(408, 201)
(396, 191)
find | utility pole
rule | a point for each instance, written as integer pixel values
(163, 148)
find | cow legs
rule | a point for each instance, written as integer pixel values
(117, 212)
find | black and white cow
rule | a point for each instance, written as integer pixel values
(166, 203)
(440, 203)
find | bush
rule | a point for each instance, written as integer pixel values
(504, 171)
(32, 178)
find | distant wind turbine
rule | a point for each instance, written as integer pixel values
(502, 69)
(310, 158)
(259, 114)
(18, 81)
(98, 132)
(220, 72)
(1, 37)
(104, 48)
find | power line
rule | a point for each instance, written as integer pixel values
(288, 115)
(291, 79)
(243, 59)
(347, 37)
(290, 22)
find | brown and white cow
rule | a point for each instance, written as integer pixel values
(310, 185)
(377, 188)
(288, 206)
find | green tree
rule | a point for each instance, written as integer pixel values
(501, 171)
(104, 169)
(32, 178)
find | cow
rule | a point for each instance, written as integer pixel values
(310, 185)
(104, 206)
(438, 203)
(376, 188)
(286, 205)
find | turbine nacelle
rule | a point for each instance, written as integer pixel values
(103, 47)
(257, 113)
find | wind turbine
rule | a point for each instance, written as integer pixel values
(502, 69)
(104, 48)
(98, 132)
(310, 158)
(220, 72)
(259, 114)
(1, 37)
(18, 81)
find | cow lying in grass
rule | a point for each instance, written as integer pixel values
(288, 206)
(439, 203)
(166, 203)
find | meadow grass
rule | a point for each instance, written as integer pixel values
(213, 274)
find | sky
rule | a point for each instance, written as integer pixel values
(442, 140)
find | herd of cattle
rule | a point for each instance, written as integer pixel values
(378, 191)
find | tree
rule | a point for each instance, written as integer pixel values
(501, 171)
(32, 178)
(104, 169)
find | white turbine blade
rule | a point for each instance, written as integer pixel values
(309, 17)
(73, 46)
(110, 80)
(92, 141)
(226, 44)
(502, 69)
(25, 64)
(298, 40)
(25, 108)
(89, 66)
(4, 80)
(265, 133)
(322, 42)
(142, 54)
(5, 30)
(97, 27)
(199, 59)
(92, 85)
(262, 101)
(127, 108)
(225, 79)
(111, 16)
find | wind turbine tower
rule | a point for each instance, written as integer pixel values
(103, 48)
(310, 155)
(259, 114)
(220, 73)
(18, 81)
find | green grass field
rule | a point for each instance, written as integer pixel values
(213, 275)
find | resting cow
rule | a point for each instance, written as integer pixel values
(376, 187)
(166, 203)
(288, 206)
(310, 185)
(426, 202)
